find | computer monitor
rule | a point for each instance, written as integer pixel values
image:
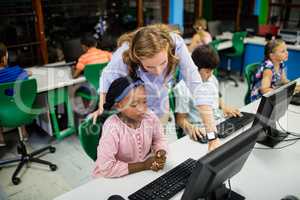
(272, 107)
(207, 179)
(72, 50)
(214, 28)
(249, 24)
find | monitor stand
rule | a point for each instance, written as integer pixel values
(271, 136)
(222, 193)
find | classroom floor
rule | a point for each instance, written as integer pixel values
(74, 166)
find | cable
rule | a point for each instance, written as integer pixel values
(298, 113)
(290, 133)
(269, 148)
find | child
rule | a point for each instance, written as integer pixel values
(187, 116)
(201, 36)
(271, 72)
(10, 74)
(131, 137)
(91, 55)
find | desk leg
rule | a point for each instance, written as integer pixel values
(56, 98)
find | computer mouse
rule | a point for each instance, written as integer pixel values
(290, 197)
(115, 197)
(202, 140)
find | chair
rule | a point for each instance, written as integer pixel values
(89, 135)
(91, 72)
(249, 74)
(17, 109)
(215, 44)
(238, 50)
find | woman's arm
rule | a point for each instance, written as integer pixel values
(206, 114)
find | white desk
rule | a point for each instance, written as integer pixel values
(268, 174)
(49, 78)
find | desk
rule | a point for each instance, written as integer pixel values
(52, 86)
(268, 174)
(254, 52)
(49, 78)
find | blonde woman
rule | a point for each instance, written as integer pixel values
(201, 37)
(152, 54)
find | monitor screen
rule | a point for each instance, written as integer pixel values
(272, 107)
(249, 24)
(214, 28)
(207, 179)
(72, 50)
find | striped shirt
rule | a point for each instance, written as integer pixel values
(93, 56)
(11, 74)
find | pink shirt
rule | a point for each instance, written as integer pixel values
(120, 145)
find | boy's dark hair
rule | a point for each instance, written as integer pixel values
(88, 40)
(3, 51)
(205, 56)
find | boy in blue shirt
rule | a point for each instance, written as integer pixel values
(10, 74)
(187, 116)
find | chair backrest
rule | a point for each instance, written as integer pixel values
(250, 70)
(92, 72)
(238, 42)
(17, 99)
(214, 44)
(89, 135)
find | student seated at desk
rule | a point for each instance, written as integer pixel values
(132, 140)
(201, 36)
(187, 116)
(10, 74)
(91, 55)
(271, 72)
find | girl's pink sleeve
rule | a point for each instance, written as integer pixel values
(159, 140)
(106, 164)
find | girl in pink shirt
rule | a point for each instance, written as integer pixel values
(132, 140)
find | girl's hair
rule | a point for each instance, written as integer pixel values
(118, 90)
(3, 52)
(200, 22)
(271, 47)
(205, 56)
(146, 42)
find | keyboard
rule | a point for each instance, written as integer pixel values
(167, 185)
(233, 124)
(296, 99)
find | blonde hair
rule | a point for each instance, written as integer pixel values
(200, 22)
(146, 42)
(271, 47)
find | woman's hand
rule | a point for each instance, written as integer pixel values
(213, 144)
(231, 111)
(195, 132)
(95, 114)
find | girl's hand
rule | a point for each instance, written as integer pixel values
(150, 164)
(160, 159)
